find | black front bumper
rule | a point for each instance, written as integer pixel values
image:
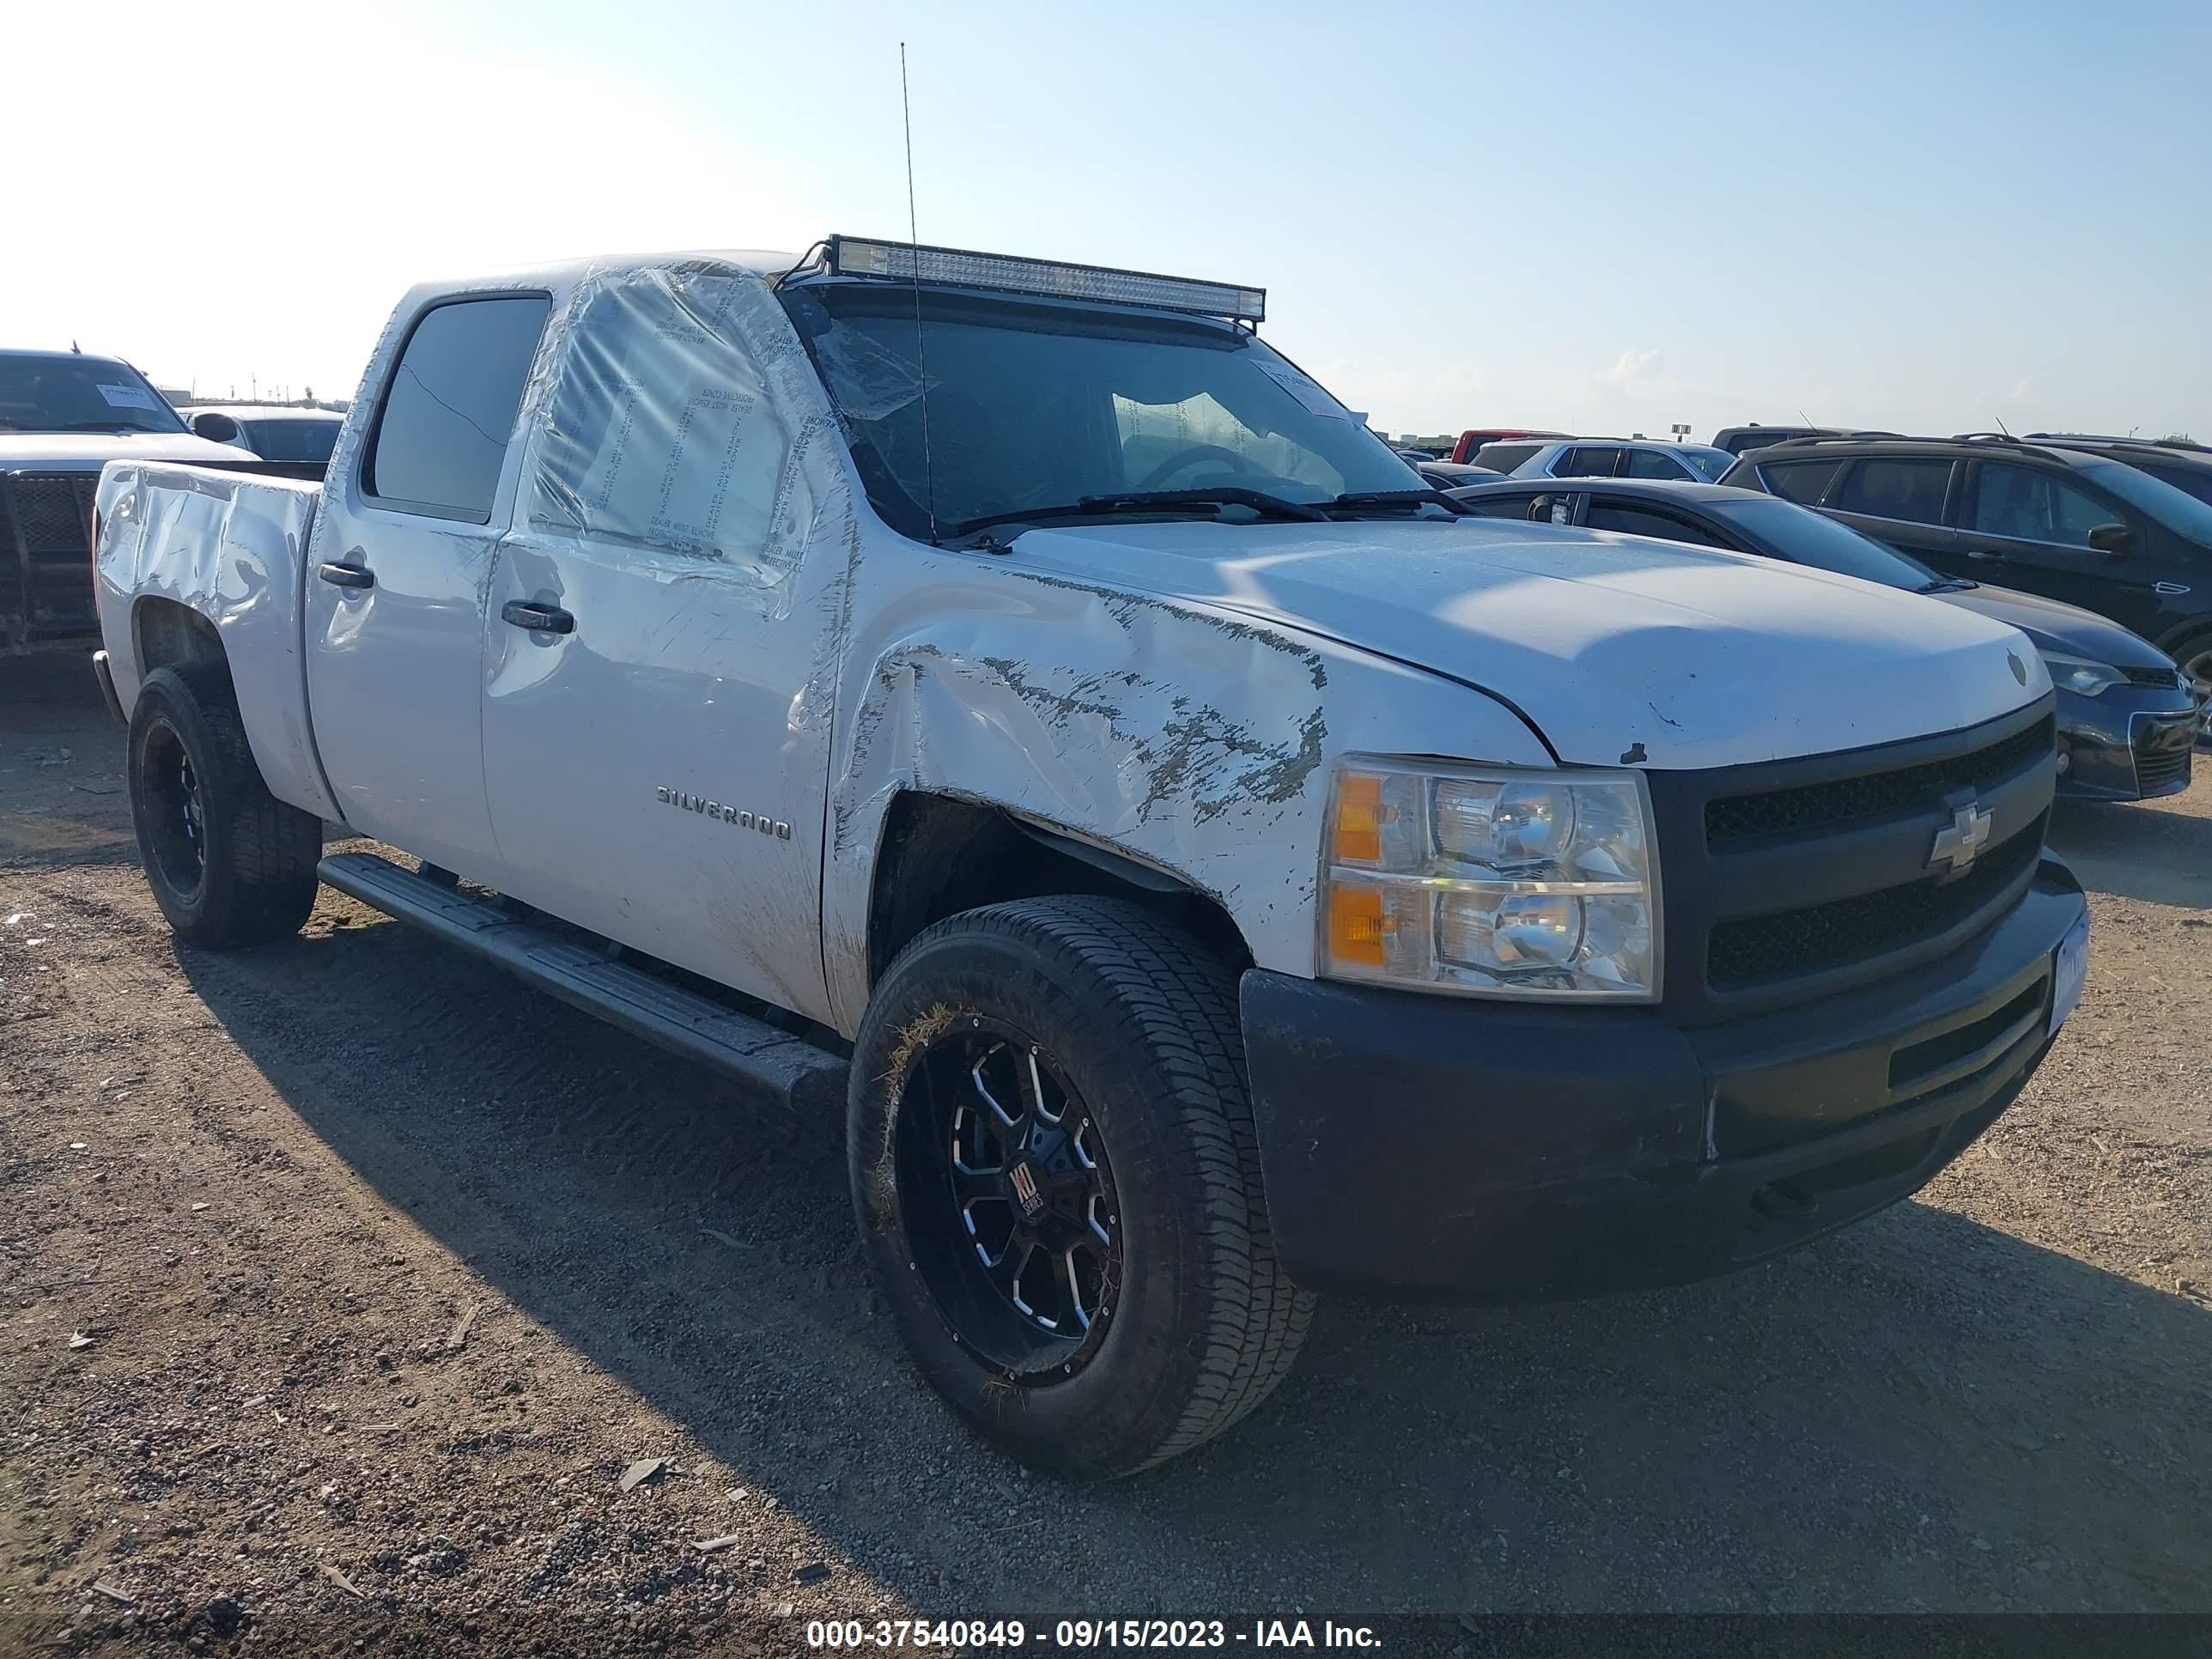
(1434, 1148)
(2131, 742)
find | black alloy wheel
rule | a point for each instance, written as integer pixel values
(176, 824)
(1009, 1201)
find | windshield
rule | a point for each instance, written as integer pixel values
(1709, 463)
(1036, 404)
(290, 441)
(65, 392)
(1804, 537)
(2195, 481)
(2176, 509)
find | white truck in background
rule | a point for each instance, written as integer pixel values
(64, 415)
(1204, 868)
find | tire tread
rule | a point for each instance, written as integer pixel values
(1175, 1000)
(260, 879)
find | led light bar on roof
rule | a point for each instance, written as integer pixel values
(852, 256)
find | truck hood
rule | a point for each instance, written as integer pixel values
(1603, 642)
(87, 451)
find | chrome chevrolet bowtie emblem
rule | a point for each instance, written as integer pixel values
(1958, 840)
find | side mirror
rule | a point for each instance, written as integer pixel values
(2114, 541)
(215, 428)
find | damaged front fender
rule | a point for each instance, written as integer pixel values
(1191, 740)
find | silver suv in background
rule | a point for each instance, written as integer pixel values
(1622, 457)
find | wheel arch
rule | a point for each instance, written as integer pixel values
(940, 855)
(2178, 640)
(165, 632)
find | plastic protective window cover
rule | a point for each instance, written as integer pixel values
(670, 420)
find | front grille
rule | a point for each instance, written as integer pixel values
(2164, 678)
(1755, 950)
(1843, 801)
(46, 554)
(53, 514)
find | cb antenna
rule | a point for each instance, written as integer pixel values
(1999, 419)
(920, 356)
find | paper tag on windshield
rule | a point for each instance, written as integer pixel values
(127, 397)
(1307, 391)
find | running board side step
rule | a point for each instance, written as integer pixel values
(795, 1072)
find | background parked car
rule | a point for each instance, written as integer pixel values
(1476, 436)
(1502, 455)
(1626, 457)
(2187, 466)
(2062, 522)
(63, 416)
(1742, 439)
(272, 434)
(2125, 716)
(1452, 475)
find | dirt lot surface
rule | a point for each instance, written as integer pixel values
(345, 1279)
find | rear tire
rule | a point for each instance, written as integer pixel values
(229, 864)
(1153, 1315)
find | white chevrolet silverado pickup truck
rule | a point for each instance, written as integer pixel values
(1009, 704)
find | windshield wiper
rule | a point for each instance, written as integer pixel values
(1145, 501)
(1395, 498)
(120, 428)
(1947, 585)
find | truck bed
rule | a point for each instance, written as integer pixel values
(228, 543)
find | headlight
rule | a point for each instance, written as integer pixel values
(1492, 882)
(2079, 674)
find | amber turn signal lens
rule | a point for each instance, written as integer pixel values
(1359, 818)
(1356, 925)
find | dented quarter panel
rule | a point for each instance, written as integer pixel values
(229, 547)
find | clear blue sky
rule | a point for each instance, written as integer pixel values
(1593, 217)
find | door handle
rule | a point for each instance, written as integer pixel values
(537, 618)
(346, 575)
(1987, 556)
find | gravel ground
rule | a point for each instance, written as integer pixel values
(345, 1279)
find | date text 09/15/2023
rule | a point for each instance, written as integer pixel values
(1085, 1634)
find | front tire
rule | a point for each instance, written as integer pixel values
(2195, 657)
(1058, 1187)
(229, 864)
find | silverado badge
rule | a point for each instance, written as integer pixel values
(722, 814)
